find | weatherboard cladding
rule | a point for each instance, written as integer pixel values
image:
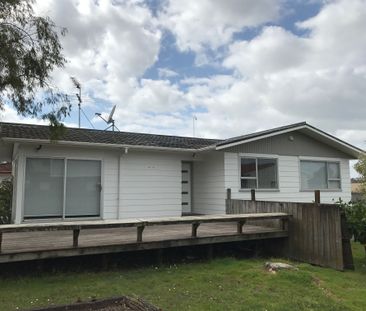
(42, 132)
(301, 145)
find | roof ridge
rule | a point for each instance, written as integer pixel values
(98, 130)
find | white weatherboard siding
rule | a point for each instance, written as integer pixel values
(208, 184)
(151, 184)
(289, 181)
(134, 184)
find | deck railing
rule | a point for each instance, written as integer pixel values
(195, 221)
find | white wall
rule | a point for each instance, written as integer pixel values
(289, 181)
(208, 184)
(149, 183)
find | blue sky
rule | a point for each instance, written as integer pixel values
(238, 65)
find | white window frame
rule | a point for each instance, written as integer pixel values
(65, 158)
(326, 161)
(256, 157)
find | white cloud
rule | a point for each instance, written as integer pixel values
(167, 73)
(9, 114)
(212, 23)
(284, 78)
(107, 44)
(274, 50)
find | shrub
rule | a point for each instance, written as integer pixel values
(356, 219)
(6, 192)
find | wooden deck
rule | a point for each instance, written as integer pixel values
(41, 241)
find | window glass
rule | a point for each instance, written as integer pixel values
(248, 167)
(83, 182)
(258, 173)
(267, 173)
(313, 175)
(44, 184)
(318, 175)
(333, 170)
(334, 184)
(248, 183)
(44, 188)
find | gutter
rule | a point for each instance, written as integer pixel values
(104, 145)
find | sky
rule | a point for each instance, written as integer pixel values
(236, 66)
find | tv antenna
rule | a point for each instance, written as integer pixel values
(110, 120)
(78, 95)
(194, 119)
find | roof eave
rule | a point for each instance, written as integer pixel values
(96, 145)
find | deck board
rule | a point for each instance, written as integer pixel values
(20, 246)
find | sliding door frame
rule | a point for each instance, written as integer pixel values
(63, 218)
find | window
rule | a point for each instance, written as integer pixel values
(320, 175)
(44, 188)
(258, 173)
(57, 188)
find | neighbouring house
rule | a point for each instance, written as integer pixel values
(356, 189)
(5, 171)
(94, 174)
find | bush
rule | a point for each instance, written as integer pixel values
(6, 193)
(356, 219)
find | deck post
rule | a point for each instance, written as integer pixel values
(317, 196)
(240, 225)
(228, 193)
(209, 251)
(160, 257)
(140, 229)
(284, 224)
(75, 237)
(228, 201)
(195, 226)
(252, 194)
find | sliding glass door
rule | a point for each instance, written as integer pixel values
(62, 188)
(44, 188)
(83, 186)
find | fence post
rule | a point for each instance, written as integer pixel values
(228, 201)
(252, 194)
(317, 196)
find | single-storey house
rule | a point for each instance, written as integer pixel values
(119, 175)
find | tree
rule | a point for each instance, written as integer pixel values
(356, 219)
(29, 51)
(6, 192)
(360, 167)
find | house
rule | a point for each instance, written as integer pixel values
(118, 175)
(5, 171)
(356, 189)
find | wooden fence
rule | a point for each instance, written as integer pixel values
(317, 232)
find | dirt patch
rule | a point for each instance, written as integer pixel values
(123, 303)
(320, 284)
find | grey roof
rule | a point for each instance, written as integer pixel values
(42, 132)
(243, 138)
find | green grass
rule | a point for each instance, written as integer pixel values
(222, 284)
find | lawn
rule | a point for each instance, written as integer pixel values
(222, 284)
